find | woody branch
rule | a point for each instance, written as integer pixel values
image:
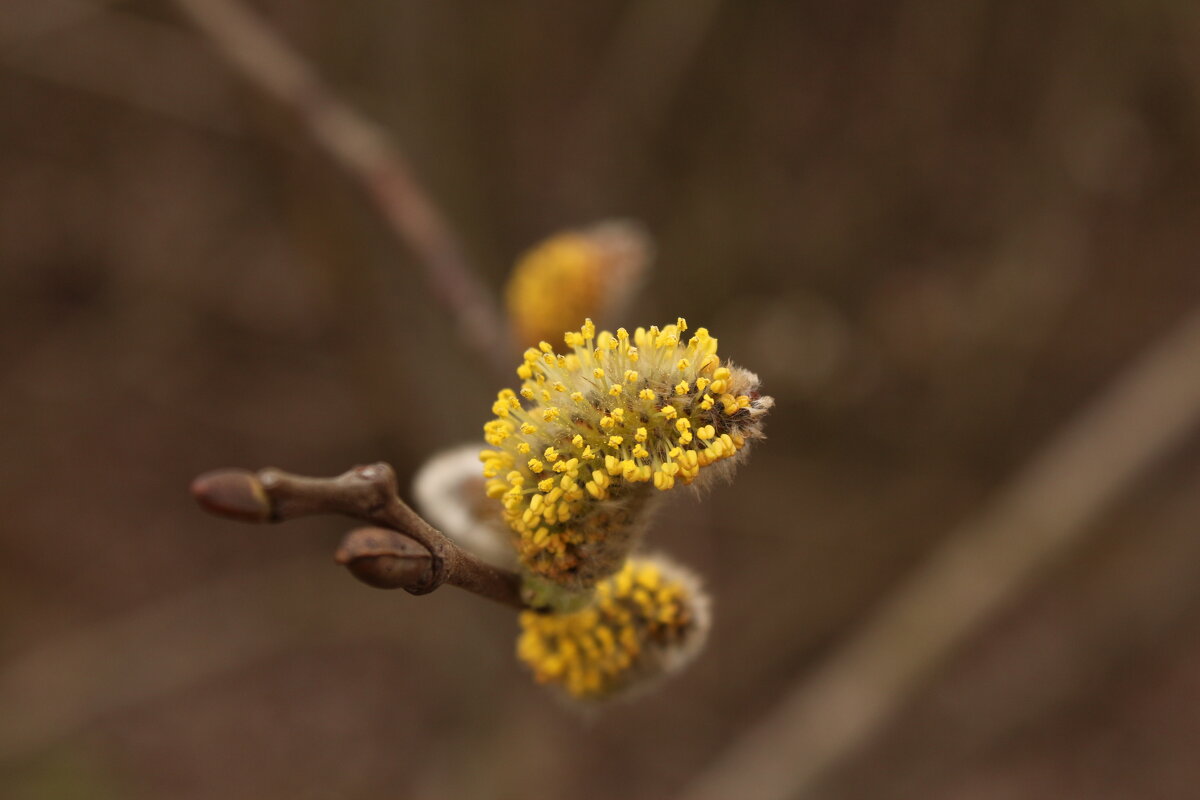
(399, 550)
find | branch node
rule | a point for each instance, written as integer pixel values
(399, 551)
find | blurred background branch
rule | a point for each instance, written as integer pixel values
(826, 719)
(365, 152)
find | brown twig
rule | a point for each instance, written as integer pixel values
(828, 717)
(365, 152)
(400, 550)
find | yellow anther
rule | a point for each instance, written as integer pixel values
(631, 376)
(550, 414)
(546, 485)
(551, 454)
(535, 466)
(647, 394)
(640, 435)
(669, 412)
(615, 441)
(681, 387)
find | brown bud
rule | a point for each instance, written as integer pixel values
(235, 493)
(387, 560)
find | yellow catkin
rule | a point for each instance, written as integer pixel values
(646, 620)
(615, 449)
(575, 274)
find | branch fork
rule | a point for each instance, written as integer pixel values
(398, 550)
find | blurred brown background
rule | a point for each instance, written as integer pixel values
(936, 230)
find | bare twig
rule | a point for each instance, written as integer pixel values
(827, 718)
(362, 149)
(402, 551)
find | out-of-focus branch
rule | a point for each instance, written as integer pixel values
(828, 718)
(360, 147)
(400, 550)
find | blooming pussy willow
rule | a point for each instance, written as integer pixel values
(575, 274)
(646, 621)
(594, 432)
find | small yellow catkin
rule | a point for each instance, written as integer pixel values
(646, 621)
(594, 432)
(572, 275)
